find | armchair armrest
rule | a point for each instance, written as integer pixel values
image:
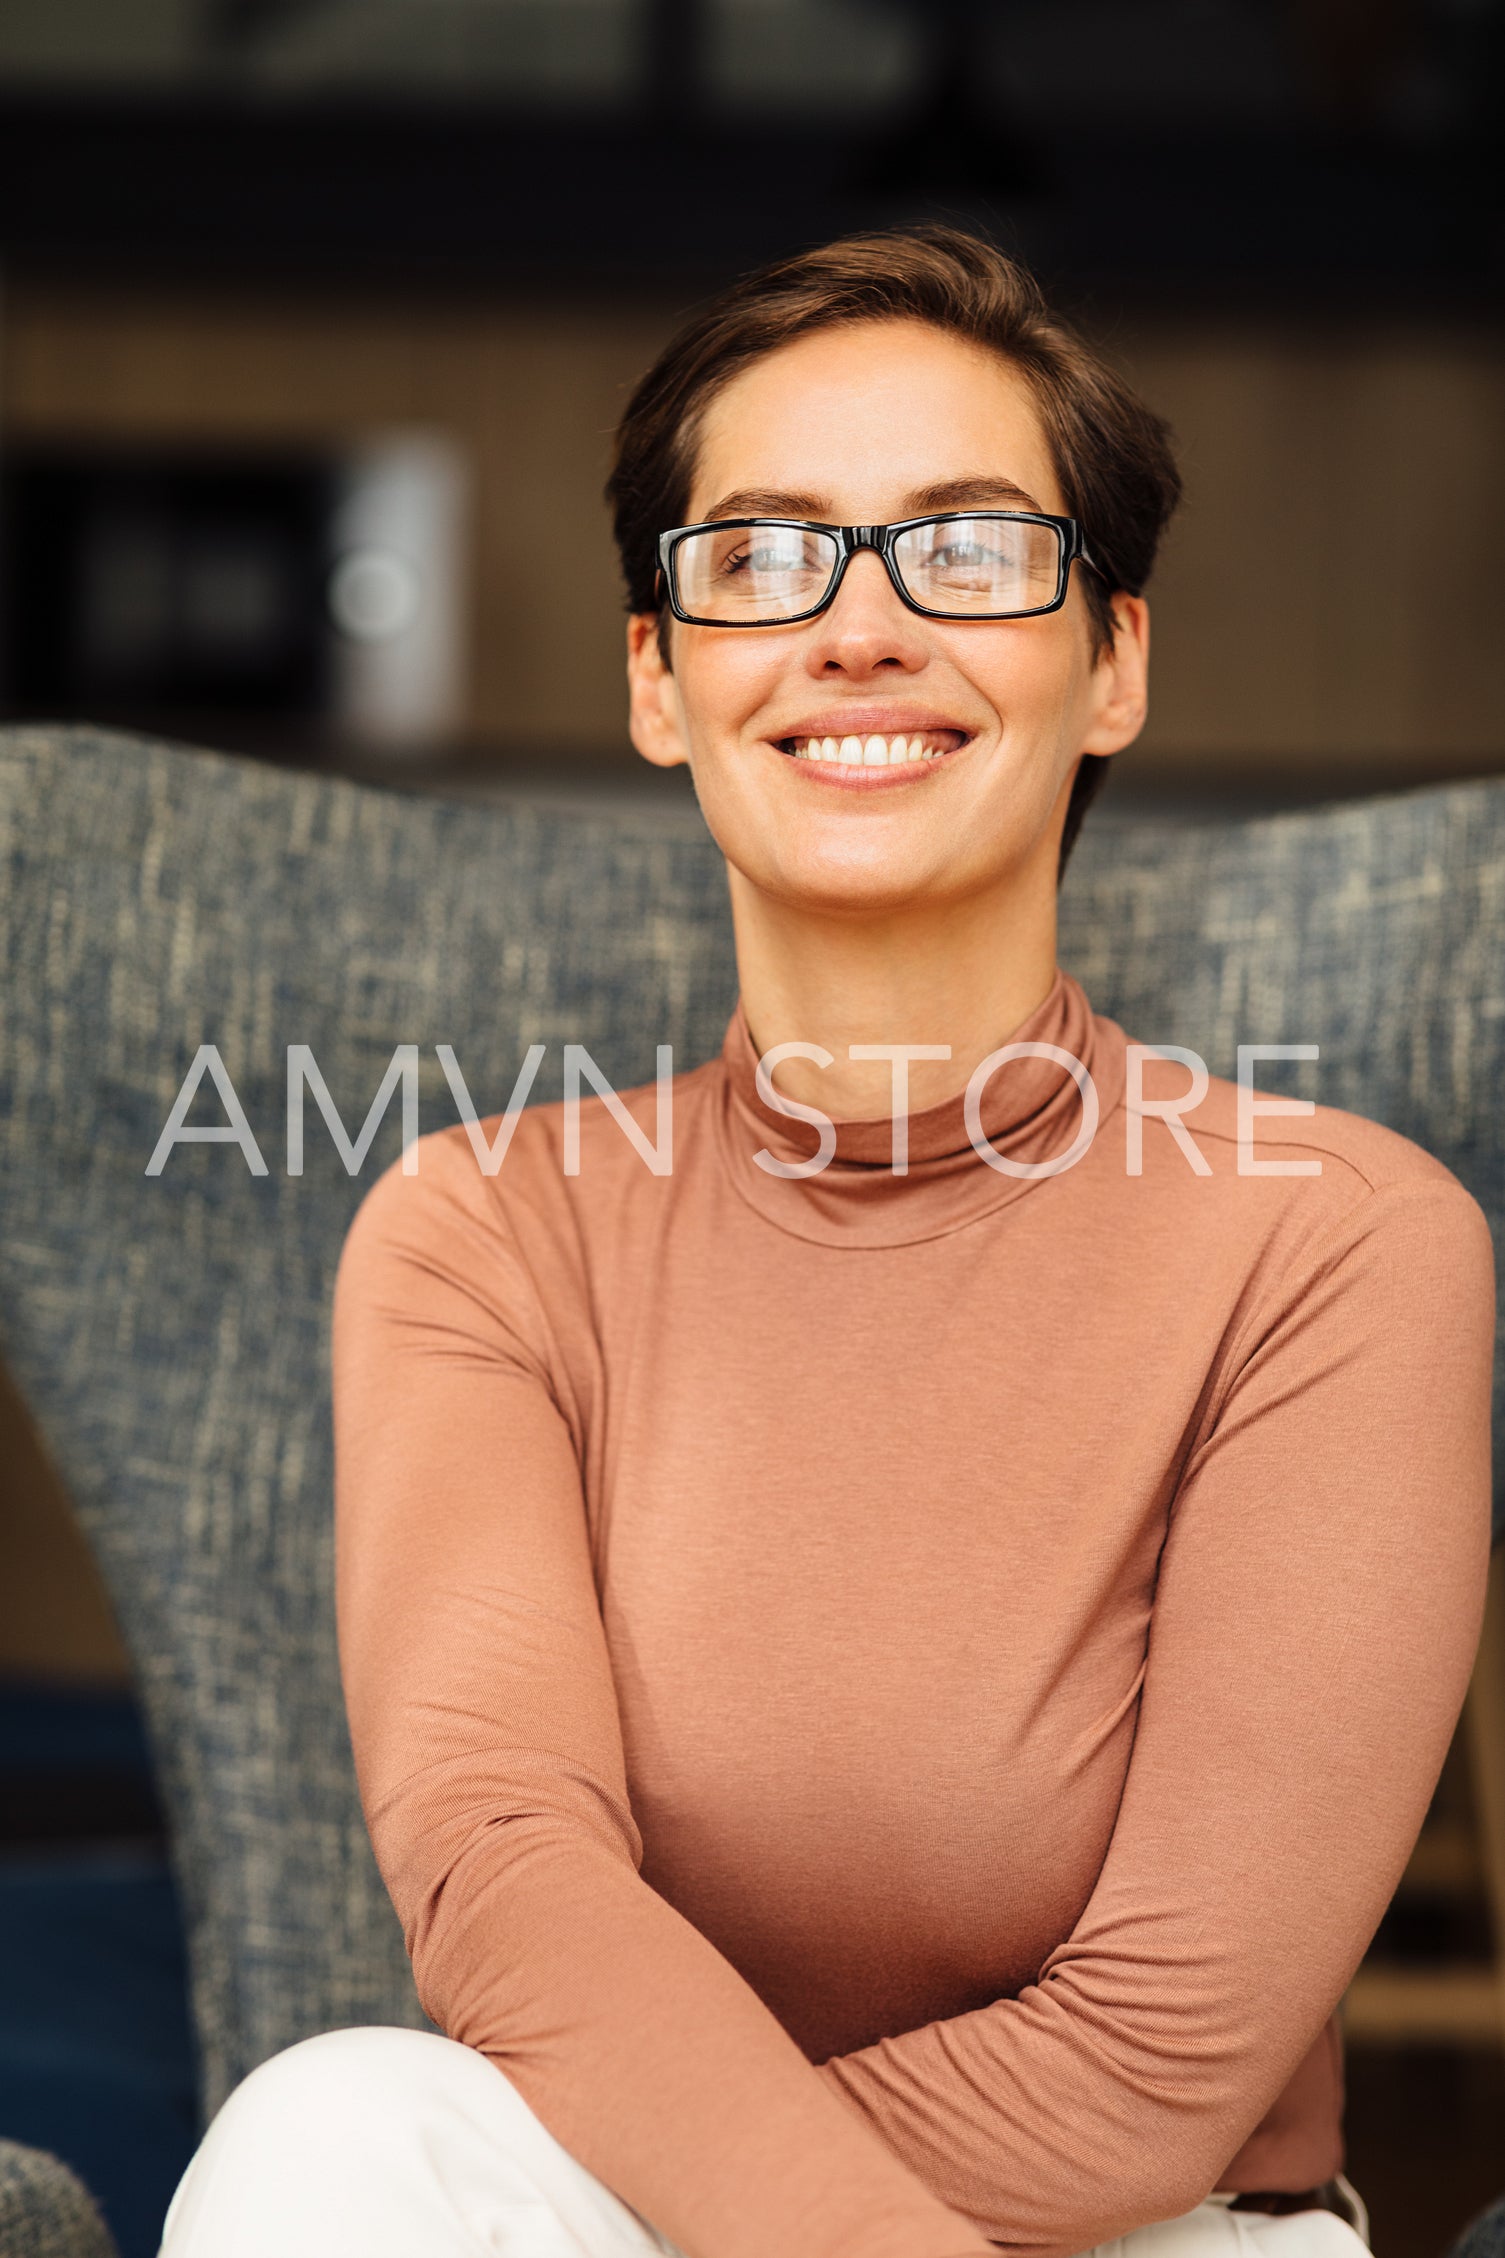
(1483, 2237)
(45, 2210)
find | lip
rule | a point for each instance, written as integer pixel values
(875, 721)
(838, 776)
(872, 721)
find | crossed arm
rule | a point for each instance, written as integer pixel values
(1314, 1624)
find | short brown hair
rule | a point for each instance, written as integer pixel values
(1112, 453)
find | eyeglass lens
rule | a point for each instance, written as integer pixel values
(960, 566)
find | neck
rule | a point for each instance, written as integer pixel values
(964, 973)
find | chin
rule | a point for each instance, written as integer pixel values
(823, 884)
(881, 855)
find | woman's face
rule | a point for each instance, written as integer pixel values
(863, 425)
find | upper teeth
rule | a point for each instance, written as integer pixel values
(866, 752)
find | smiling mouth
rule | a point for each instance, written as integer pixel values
(875, 751)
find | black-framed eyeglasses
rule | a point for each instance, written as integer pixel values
(961, 564)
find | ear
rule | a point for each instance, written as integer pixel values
(1120, 689)
(655, 718)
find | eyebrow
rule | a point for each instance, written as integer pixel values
(991, 492)
(973, 493)
(768, 501)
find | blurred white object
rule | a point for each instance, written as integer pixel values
(396, 591)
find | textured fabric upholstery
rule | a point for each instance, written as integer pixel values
(44, 2211)
(1483, 2237)
(170, 1332)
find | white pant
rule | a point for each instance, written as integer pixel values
(381, 2143)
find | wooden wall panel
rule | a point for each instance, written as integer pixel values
(55, 1620)
(1327, 595)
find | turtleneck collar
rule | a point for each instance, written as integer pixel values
(1030, 1112)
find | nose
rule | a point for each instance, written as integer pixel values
(866, 629)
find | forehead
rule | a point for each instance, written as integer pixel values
(868, 414)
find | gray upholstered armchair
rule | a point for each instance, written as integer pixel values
(169, 1331)
(45, 2211)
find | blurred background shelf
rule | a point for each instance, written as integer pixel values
(1390, 2004)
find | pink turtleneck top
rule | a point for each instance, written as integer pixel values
(891, 1706)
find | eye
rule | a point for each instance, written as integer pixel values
(778, 552)
(962, 554)
(965, 559)
(984, 563)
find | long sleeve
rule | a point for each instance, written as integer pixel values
(1314, 1622)
(489, 1750)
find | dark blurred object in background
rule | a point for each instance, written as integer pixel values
(74, 1767)
(202, 588)
(96, 2055)
(159, 585)
(1302, 147)
(96, 2058)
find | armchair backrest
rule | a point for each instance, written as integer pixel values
(170, 1331)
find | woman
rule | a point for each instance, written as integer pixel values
(893, 1668)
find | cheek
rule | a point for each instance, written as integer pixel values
(725, 679)
(1031, 673)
